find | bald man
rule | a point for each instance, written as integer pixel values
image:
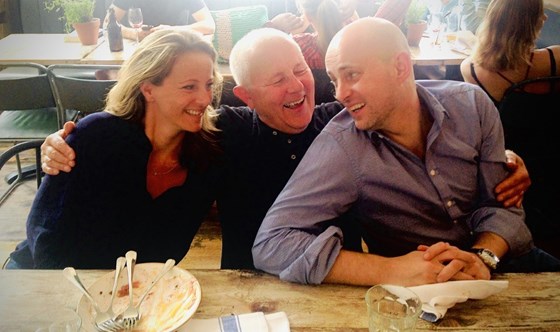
(415, 162)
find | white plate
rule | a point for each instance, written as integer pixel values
(170, 304)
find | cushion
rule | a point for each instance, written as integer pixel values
(234, 23)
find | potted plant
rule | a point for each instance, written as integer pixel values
(415, 21)
(78, 15)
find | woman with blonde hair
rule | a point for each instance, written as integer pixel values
(505, 53)
(144, 170)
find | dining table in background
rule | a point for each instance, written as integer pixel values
(444, 53)
(47, 49)
(530, 303)
(43, 48)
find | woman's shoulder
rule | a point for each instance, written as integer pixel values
(103, 127)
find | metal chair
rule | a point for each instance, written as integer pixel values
(27, 112)
(15, 151)
(77, 89)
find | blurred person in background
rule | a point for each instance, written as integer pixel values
(165, 14)
(505, 51)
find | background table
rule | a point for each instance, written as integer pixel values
(529, 304)
(45, 49)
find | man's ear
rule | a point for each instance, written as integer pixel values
(403, 65)
(243, 94)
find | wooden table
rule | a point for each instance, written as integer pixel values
(529, 304)
(45, 49)
(428, 54)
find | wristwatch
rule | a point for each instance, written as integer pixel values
(487, 257)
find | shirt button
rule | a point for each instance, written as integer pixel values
(450, 203)
(433, 172)
(455, 221)
(289, 141)
(275, 133)
(293, 157)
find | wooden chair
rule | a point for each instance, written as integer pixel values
(527, 111)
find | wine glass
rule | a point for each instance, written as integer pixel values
(135, 19)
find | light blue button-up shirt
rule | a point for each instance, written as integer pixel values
(400, 200)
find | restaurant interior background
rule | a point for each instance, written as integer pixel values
(30, 16)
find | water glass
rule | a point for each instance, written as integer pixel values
(392, 308)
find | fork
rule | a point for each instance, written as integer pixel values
(130, 316)
(121, 261)
(169, 264)
(166, 268)
(102, 322)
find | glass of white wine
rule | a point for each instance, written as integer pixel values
(135, 19)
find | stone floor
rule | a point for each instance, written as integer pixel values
(205, 250)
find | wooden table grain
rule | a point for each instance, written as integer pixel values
(529, 304)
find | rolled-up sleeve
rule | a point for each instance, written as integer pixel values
(295, 240)
(491, 216)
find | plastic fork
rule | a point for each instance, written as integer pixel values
(103, 321)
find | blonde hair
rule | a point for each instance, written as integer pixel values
(152, 62)
(507, 34)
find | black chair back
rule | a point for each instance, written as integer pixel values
(528, 111)
(77, 90)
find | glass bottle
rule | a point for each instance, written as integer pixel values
(114, 33)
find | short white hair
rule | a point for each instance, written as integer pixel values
(242, 52)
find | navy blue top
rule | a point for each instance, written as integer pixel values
(259, 162)
(94, 214)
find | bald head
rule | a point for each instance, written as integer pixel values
(257, 46)
(370, 36)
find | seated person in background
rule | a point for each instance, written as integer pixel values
(473, 13)
(505, 51)
(143, 178)
(326, 19)
(264, 142)
(414, 162)
(165, 14)
(393, 10)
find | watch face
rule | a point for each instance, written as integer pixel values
(489, 258)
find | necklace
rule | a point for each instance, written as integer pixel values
(155, 172)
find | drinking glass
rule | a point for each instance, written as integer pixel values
(392, 308)
(135, 20)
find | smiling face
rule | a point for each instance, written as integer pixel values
(369, 78)
(181, 99)
(280, 85)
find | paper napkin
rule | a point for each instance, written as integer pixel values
(437, 298)
(252, 322)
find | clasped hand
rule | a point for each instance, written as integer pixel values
(456, 264)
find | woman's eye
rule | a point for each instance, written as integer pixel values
(189, 87)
